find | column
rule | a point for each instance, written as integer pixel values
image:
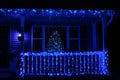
(43, 38)
(67, 38)
(22, 30)
(94, 36)
(31, 38)
(79, 38)
(103, 32)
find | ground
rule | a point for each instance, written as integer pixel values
(82, 77)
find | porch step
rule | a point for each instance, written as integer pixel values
(4, 70)
(4, 73)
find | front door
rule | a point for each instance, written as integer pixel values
(4, 47)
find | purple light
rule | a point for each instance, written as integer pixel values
(19, 35)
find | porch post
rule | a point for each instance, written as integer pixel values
(43, 38)
(67, 38)
(79, 38)
(103, 32)
(31, 38)
(22, 30)
(94, 36)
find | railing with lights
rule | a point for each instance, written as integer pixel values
(63, 64)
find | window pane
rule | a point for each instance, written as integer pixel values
(37, 45)
(37, 32)
(90, 38)
(61, 32)
(84, 38)
(99, 36)
(74, 45)
(73, 32)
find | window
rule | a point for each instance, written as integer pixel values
(37, 45)
(37, 32)
(99, 36)
(74, 38)
(36, 38)
(74, 45)
(84, 38)
(73, 32)
(61, 31)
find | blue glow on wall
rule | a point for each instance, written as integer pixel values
(64, 64)
(19, 34)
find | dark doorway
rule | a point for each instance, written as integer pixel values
(4, 46)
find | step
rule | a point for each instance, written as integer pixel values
(4, 69)
(5, 75)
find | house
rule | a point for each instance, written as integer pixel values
(28, 30)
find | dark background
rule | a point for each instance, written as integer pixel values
(4, 46)
(113, 42)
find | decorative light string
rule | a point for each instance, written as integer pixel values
(44, 64)
(70, 63)
(40, 65)
(92, 64)
(28, 63)
(21, 65)
(64, 65)
(61, 64)
(32, 63)
(80, 65)
(88, 66)
(48, 64)
(56, 12)
(95, 64)
(52, 63)
(36, 64)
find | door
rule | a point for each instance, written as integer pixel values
(4, 47)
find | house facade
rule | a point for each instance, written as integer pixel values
(29, 30)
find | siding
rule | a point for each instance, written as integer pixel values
(15, 45)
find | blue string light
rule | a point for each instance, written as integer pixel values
(32, 64)
(88, 66)
(23, 59)
(60, 64)
(92, 64)
(52, 63)
(36, 64)
(64, 65)
(68, 64)
(28, 63)
(21, 65)
(48, 63)
(40, 65)
(81, 63)
(59, 12)
(96, 64)
(44, 63)
(76, 64)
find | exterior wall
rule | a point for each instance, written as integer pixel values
(15, 44)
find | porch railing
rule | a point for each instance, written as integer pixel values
(63, 64)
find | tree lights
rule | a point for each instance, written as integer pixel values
(55, 43)
(65, 64)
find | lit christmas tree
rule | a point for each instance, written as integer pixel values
(55, 43)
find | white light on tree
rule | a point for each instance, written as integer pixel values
(55, 43)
